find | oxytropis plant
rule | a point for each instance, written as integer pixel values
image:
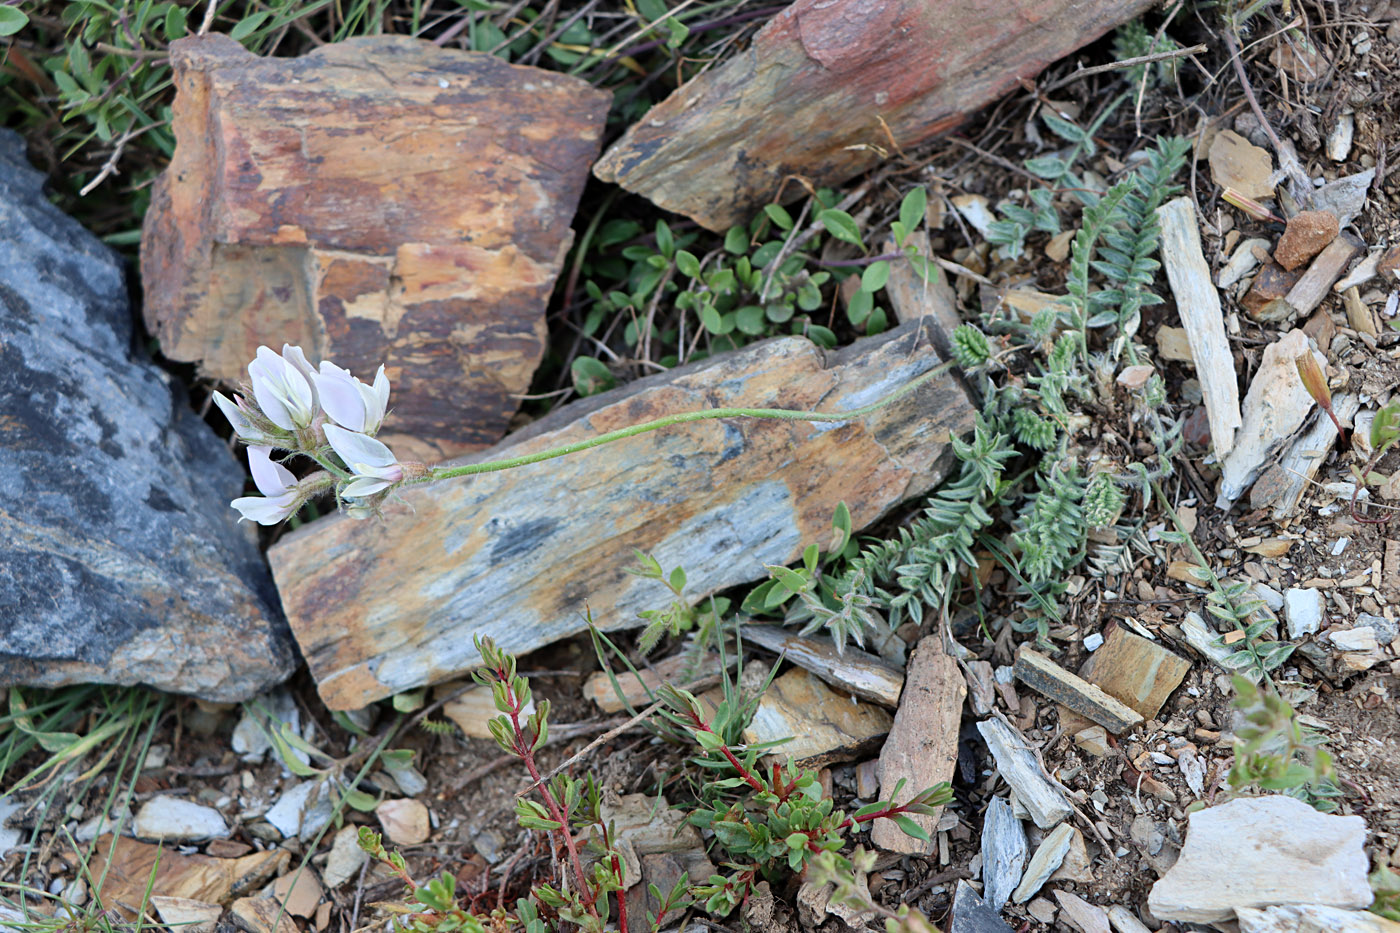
(332, 417)
(323, 413)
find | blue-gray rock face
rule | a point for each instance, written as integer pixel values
(120, 560)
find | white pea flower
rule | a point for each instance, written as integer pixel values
(374, 465)
(281, 387)
(245, 422)
(350, 402)
(280, 497)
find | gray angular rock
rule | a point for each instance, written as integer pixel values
(1004, 852)
(1262, 852)
(120, 560)
(971, 914)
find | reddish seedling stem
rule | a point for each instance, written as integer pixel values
(556, 812)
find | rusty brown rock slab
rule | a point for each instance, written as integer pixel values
(816, 725)
(381, 607)
(826, 87)
(375, 201)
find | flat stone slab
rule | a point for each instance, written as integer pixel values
(1263, 852)
(380, 200)
(382, 607)
(120, 560)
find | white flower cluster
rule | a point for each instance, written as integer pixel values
(326, 414)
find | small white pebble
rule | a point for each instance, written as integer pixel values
(443, 83)
(1340, 546)
(1092, 642)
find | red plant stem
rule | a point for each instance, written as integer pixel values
(621, 893)
(734, 762)
(556, 813)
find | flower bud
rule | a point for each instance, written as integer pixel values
(1313, 379)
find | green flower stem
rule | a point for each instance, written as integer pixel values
(780, 414)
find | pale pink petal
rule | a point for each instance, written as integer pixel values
(265, 511)
(272, 479)
(340, 398)
(359, 451)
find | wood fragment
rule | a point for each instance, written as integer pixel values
(1281, 486)
(1275, 409)
(852, 670)
(1018, 766)
(911, 297)
(1046, 677)
(828, 87)
(922, 748)
(382, 607)
(1198, 304)
(1316, 283)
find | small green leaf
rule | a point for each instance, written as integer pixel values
(711, 319)
(591, 375)
(912, 208)
(247, 26)
(736, 241)
(359, 800)
(841, 225)
(779, 215)
(12, 20)
(751, 320)
(665, 241)
(687, 264)
(875, 276)
(175, 27)
(910, 827)
(859, 307)
(794, 581)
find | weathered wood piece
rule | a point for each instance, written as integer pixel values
(922, 749)
(379, 200)
(1044, 676)
(854, 671)
(823, 726)
(1275, 408)
(1281, 485)
(934, 300)
(1139, 672)
(1198, 304)
(1017, 765)
(381, 607)
(1316, 283)
(826, 88)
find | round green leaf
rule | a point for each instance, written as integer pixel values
(12, 20)
(751, 320)
(591, 376)
(840, 225)
(875, 276)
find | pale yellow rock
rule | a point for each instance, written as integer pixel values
(1237, 163)
(405, 821)
(823, 725)
(1173, 345)
(185, 915)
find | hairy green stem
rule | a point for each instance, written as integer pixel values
(781, 414)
